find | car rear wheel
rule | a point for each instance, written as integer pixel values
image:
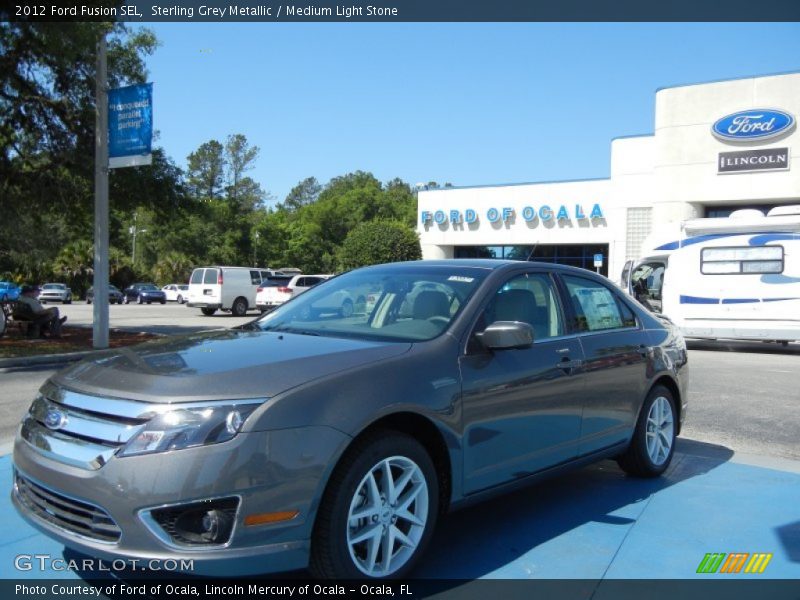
(379, 510)
(239, 308)
(653, 443)
(208, 311)
(180, 299)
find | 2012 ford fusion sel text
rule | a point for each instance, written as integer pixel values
(335, 439)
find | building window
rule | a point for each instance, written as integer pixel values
(576, 255)
(717, 212)
(639, 225)
(743, 260)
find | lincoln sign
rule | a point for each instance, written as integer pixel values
(767, 159)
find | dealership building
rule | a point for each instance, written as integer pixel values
(717, 147)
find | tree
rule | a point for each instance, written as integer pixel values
(240, 156)
(47, 91)
(206, 170)
(378, 242)
(304, 193)
(75, 262)
(172, 267)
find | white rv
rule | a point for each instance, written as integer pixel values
(734, 278)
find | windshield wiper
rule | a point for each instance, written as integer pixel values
(284, 329)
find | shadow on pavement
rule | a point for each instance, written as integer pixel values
(479, 540)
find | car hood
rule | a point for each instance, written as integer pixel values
(224, 364)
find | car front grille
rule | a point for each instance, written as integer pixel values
(73, 516)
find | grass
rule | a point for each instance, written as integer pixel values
(73, 339)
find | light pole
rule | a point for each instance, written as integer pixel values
(255, 248)
(133, 230)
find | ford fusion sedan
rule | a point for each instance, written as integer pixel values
(335, 440)
(144, 293)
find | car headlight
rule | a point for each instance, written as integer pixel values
(189, 427)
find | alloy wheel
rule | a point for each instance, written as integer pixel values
(387, 516)
(660, 431)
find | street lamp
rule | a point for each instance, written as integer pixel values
(256, 235)
(133, 231)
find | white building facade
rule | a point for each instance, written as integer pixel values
(717, 147)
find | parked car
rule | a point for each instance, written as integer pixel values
(225, 288)
(8, 291)
(309, 438)
(278, 289)
(55, 292)
(143, 292)
(114, 295)
(176, 292)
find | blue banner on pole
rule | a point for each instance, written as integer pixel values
(130, 126)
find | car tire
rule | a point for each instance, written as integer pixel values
(163, 302)
(239, 308)
(347, 308)
(180, 299)
(208, 311)
(653, 443)
(68, 300)
(127, 300)
(358, 487)
(139, 300)
(88, 301)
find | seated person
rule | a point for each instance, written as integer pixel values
(46, 318)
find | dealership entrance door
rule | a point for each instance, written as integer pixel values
(576, 255)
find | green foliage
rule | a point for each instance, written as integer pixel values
(377, 242)
(172, 267)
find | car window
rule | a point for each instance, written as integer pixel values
(255, 277)
(596, 306)
(275, 281)
(529, 298)
(392, 304)
(197, 276)
(210, 276)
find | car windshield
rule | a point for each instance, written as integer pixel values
(413, 303)
(148, 287)
(53, 286)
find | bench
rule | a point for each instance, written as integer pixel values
(22, 317)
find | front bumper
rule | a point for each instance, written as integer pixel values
(282, 470)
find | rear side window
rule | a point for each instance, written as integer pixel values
(210, 276)
(197, 276)
(596, 307)
(255, 277)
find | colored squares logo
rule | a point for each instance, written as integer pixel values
(735, 562)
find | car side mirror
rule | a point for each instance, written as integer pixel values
(505, 335)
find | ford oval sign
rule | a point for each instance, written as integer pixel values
(55, 419)
(756, 124)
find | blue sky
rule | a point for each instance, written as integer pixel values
(470, 104)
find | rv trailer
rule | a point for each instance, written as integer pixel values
(724, 278)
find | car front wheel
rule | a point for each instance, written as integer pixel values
(379, 510)
(653, 443)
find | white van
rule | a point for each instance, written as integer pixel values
(225, 288)
(725, 278)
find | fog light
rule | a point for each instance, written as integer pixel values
(209, 522)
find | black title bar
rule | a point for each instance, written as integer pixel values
(401, 10)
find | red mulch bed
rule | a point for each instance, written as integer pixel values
(73, 339)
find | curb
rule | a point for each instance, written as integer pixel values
(46, 359)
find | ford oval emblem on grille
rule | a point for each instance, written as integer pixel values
(756, 124)
(55, 419)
